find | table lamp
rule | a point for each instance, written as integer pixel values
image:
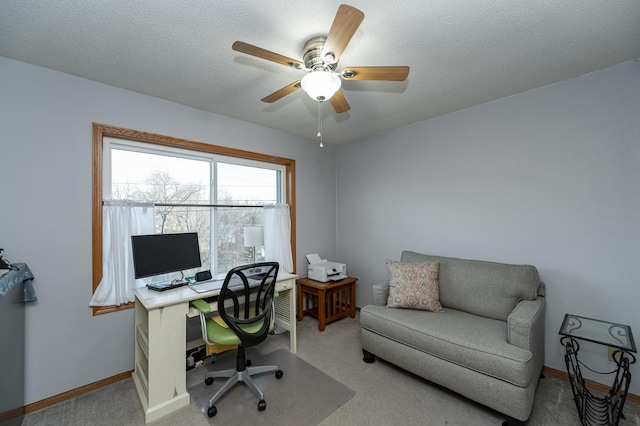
(253, 237)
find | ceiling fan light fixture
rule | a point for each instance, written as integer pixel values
(320, 85)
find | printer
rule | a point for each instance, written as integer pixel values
(323, 271)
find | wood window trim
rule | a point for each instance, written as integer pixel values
(100, 131)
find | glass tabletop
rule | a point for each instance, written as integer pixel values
(597, 331)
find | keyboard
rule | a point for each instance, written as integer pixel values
(205, 286)
(165, 286)
(257, 276)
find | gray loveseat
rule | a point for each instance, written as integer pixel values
(488, 342)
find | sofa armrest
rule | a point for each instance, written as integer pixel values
(525, 327)
(380, 293)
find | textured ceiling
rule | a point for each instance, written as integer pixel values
(461, 52)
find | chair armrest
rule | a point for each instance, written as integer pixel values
(201, 305)
(525, 327)
(381, 293)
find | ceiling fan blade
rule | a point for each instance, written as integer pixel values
(376, 73)
(339, 103)
(252, 50)
(279, 94)
(344, 26)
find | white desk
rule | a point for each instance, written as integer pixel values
(160, 373)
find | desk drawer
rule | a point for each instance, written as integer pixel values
(284, 285)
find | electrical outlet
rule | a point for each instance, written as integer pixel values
(611, 350)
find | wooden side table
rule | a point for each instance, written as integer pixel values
(328, 301)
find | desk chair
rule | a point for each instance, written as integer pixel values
(243, 324)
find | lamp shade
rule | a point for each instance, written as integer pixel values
(253, 236)
(320, 85)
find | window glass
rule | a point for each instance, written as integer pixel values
(143, 176)
(247, 185)
(215, 196)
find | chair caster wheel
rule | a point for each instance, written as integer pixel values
(212, 411)
(279, 374)
(248, 363)
(262, 405)
(208, 381)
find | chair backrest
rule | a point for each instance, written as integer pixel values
(245, 302)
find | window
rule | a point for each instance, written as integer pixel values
(185, 186)
(215, 191)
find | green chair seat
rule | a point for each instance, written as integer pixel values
(226, 336)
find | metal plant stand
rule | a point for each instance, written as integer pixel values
(593, 409)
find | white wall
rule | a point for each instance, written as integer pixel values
(45, 208)
(550, 177)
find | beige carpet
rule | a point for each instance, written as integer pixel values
(304, 395)
(384, 395)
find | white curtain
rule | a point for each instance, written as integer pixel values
(277, 236)
(120, 220)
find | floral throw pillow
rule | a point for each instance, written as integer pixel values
(414, 286)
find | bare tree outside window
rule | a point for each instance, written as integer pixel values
(164, 180)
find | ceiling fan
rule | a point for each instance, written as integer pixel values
(320, 56)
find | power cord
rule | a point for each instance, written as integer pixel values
(190, 359)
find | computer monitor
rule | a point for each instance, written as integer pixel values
(159, 254)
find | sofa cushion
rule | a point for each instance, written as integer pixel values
(487, 289)
(474, 342)
(413, 286)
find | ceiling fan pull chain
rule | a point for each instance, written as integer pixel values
(320, 102)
